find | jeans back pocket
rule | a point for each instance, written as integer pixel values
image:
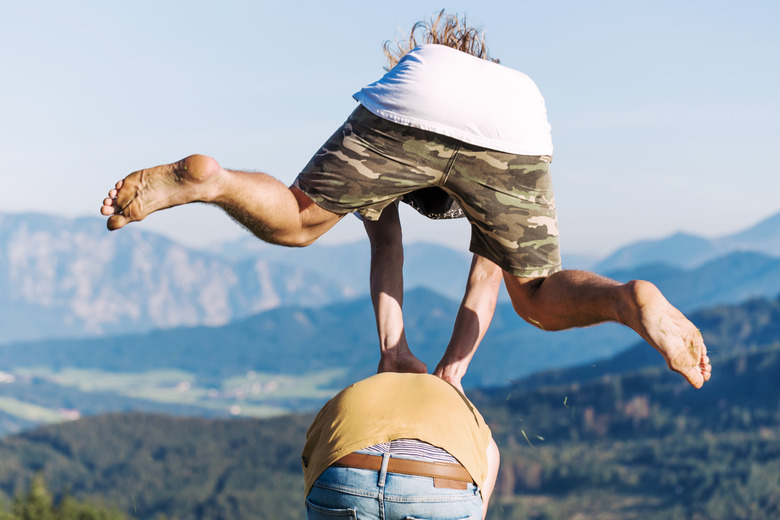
(315, 512)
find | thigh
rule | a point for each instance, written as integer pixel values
(509, 202)
(370, 162)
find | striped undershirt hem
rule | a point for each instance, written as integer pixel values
(411, 449)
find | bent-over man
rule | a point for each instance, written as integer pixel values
(397, 446)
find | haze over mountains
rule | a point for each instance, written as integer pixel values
(73, 296)
(71, 278)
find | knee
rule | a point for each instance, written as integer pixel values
(522, 292)
(292, 236)
(295, 240)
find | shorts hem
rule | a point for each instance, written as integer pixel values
(519, 272)
(534, 273)
(317, 199)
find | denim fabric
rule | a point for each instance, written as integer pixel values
(361, 494)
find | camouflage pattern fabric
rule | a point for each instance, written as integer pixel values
(508, 199)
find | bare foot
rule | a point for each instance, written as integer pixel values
(402, 362)
(146, 191)
(670, 333)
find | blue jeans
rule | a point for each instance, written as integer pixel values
(362, 494)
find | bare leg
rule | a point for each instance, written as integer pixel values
(262, 204)
(387, 292)
(577, 299)
(473, 319)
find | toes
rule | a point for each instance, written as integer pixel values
(110, 206)
(696, 381)
(695, 377)
(116, 221)
(705, 367)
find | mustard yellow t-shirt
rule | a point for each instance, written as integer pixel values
(393, 406)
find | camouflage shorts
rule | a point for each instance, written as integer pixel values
(508, 199)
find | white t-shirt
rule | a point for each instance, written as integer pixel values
(446, 91)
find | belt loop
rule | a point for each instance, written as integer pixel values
(383, 470)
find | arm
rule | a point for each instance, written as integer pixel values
(471, 324)
(387, 292)
(494, 458)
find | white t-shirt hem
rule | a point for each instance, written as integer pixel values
(455, 133)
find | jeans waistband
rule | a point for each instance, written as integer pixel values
(444, 474)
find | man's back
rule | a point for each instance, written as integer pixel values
(391, 406)
(397, 446)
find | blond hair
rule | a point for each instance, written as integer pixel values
(445, 29)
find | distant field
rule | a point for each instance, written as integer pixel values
(253, 394)
(29, 411)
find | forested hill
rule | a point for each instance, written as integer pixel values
(155, 464)
(638, 444)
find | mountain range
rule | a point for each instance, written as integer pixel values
(251, 306)
(299, 340)
(688, 251)
(72, 278)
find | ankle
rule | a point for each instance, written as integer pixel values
(634, 295)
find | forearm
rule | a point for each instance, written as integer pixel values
(473, 319)
(387, 297)
(494, 459)
(386, 278)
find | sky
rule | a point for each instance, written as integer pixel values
(665, 113)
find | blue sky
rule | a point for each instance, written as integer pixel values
(664, 113)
